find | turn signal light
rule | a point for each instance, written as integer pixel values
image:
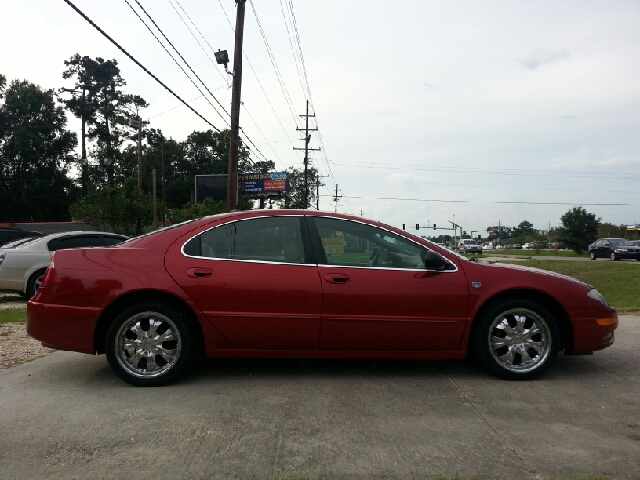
(604, 322)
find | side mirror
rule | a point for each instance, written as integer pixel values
(433, 260)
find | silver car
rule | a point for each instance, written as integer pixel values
(24, 261)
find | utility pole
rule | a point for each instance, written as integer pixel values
(307, 139)
(232, 173)
(336, 197)
(154, 222)
(318, 185)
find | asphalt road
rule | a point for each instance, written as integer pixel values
(68, 416)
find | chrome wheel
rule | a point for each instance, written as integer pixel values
(148, 344)
(519, 340)
(592, 255)
(613, 256)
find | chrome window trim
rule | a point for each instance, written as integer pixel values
(240, 260)
(384, 268)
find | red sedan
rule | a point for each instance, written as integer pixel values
(297, 283)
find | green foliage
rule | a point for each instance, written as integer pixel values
(579, 229)
(609, 230)
(3, 84)
(119, 208)
(191, 211)
(36, 150)
(295, 196)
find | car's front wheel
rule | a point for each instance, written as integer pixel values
(517, 339)
(592, 255)
(148, 344)
(614, 257)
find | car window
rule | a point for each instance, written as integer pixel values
(74, 241)
(271, 239)
(621, 243)
(356, 244)
(109, 241)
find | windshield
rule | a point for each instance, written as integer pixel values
(20, 242)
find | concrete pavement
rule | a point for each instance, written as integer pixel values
(68, 416)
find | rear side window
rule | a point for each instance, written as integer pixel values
(110, 241)
(272, 239)
(74, 241)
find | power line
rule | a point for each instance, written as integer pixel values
(175, 61)
(477, 201)
(68, 2)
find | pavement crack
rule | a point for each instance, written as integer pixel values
(495, 430)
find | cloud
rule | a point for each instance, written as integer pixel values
(542, 57)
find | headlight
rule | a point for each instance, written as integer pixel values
(596, 295)
(621, 250)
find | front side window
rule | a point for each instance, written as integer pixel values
(355, 244)
(270, 239)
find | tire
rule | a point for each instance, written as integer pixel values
(33, 284)
(592, 255)
(530, 353)
(614, 258)
(149, 344)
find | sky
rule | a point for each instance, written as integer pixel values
(428, 112)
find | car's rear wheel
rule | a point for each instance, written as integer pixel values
(614, 257)
(517, 340)
(592, 255)
(148, 344)
(33, 284)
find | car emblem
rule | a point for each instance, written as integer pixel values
(476, 284)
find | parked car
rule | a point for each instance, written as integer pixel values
(9, 234)
(613, 248)
(300, 283)
(487, 246)
(23, 262)
(636, 242)
(469, 245)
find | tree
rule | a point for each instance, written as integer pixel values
(579, 229)
(609, 230)
(36, 150)
(3, 84)
(98, 100)
(294, 197)
(118, 208)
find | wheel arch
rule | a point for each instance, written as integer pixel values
(32, 274)
(547, 301)
(111, 312)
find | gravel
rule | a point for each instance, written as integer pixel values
(16, 347)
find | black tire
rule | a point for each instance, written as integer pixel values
(530, 353)
(34, 283)
(592, 255)
(150, 359)
(613, 257)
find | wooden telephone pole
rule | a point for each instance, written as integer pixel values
(307, 139)
(232, 177)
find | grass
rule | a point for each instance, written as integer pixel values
(13, 315)
(530, 253)
(619, 282)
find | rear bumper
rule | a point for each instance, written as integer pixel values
(63, 327)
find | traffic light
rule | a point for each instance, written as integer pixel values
(417, 226)
(434, 226)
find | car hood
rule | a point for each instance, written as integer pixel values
(532, 270)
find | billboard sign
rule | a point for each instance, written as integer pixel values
(213, 186)
(256, 185)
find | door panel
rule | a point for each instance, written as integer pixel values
(377, 295)
(271, 303)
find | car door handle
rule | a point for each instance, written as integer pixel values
(337, 278)
(199, 272)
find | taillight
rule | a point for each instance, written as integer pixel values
(50, 273)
